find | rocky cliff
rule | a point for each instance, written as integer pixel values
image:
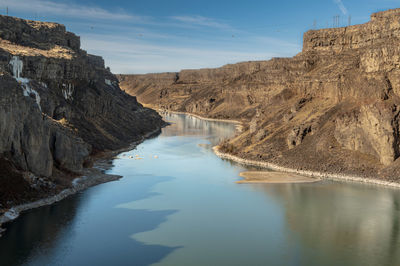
(58, 106)
(334, 107)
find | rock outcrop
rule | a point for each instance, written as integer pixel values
(58, 106)
(334, 107)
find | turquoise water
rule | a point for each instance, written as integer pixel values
(179, 205)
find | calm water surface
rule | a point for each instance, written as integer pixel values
(184, 208)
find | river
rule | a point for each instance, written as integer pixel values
(178, 204)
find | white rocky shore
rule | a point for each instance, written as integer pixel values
(91, 177)
(320, 175)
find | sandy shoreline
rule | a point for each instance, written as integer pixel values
(90, 177)
(332, 176)
(272, 177)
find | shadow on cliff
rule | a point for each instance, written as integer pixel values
(87, 229)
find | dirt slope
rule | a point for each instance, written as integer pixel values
(334, 107)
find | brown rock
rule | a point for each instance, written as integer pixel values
(61, 107)
(341, 91)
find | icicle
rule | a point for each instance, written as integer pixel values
(17, 66)
(68, 91)
(108, 82)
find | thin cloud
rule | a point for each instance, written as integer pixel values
(130, 46)
(51, 8)
(202, 21)
(341, 6)
(127, 55)
(277, 42)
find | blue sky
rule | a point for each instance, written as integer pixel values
(158, 35)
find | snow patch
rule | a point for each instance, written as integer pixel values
(108, 82)
(11, 214)
(76, 181)
(28, 91)
(23, 80)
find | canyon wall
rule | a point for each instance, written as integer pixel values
(334, 107)
(58, 106)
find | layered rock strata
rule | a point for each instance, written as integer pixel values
(332, 108)
(58, 106)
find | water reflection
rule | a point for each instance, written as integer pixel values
(44, 225)
(351, 224)
(185, 125)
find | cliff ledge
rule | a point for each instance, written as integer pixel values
(58, 107)
(333, 108)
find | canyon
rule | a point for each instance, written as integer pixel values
(332, 108)
(60, 110)
(242, 171)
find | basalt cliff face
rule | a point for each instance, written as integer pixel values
(58, 106)
(334, 107)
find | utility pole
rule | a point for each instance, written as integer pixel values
(349, 20)
(336, 21)
(7, 11)
(315, 24)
